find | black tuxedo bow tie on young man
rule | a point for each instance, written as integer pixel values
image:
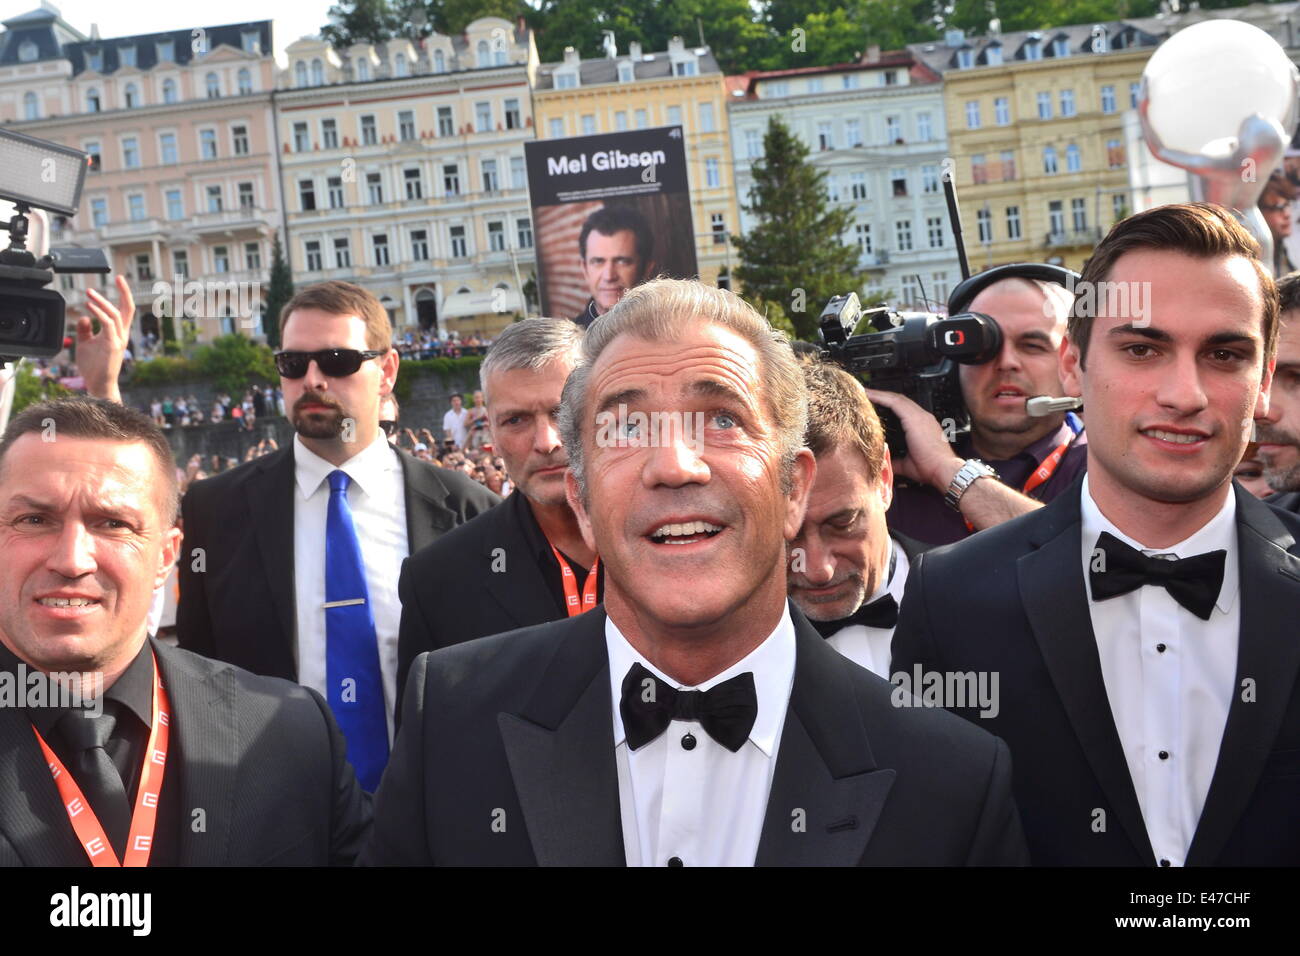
(1193, 582)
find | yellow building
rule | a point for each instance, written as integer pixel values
(1036, 132)
(680, 87)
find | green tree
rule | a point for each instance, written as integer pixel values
(234, 362)
(458, 14)
(356, 21)
(279, 292)
(169, 343)
(30, 388)
(795, 255)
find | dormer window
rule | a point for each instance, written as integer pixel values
(399, 65)
(300, 74)
(363, 69)
(126, 55)
(566, 81)
(165, 50)
(965, 58)
(685, 68)
(27, 51)
(1060, 47)
(95, 61)
(439, 62)
(1033, 50)
(993, 55)
(251, 41)
(317, 73)
(483, 54)
(625, 73)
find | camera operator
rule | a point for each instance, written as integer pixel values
(1010, 463)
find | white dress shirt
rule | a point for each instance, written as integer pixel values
(869, 646)
(1170, 678)
(704, 806)
(377, 498)
(456, 424)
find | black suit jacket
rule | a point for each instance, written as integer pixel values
(261, 758)
(1287, 501)
(516, 730)
(1012, 600)
(241, 607)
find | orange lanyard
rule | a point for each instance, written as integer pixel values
(571, 602)
(90, 833)
(1045, 470)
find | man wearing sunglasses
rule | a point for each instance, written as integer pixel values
(291, 561)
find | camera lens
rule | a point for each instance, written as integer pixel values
(16, 325)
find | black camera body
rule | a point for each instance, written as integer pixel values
(915, 354)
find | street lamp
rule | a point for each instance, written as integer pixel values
(1219, 99)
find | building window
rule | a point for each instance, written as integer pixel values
(252, 256)
(419, 245)
(706, 117)
(406, 125)
(566, 81)
(1002, 111)
(301, 138)
(369, 132)
(167, 148)
(95, 61)
(92, 101)
(979, 173)
(165, 50)
(1060, 47)
(245, 82)
(445, 123)
(251, 41)
(451, 180)
(718, 227)
(213, 84)
(342, 254)
(833, 187)
(334, 190)
(307, 194)
(439, 62)
(131, 96)
(1049, 160)
(314, 263)
(524, 232)
(239, 140)
(965, 59)
(852, 133)
(929, 179)
(1033, 50)
(181, 263)
(1013, 222)
(1073, 161)
(481, 54)
(910, 293)
(625, 73)
(459, 249)
(1067, 102)
(924, 128)
(514, 119)
(135, 207)
(992, 57)
(375, 189)
(496, 232)
(898, 181)
(379, 243)
(363, 70)
(300, 74)
(1079, 214)
(126, 55)
(491, 183)
(1118, 206)
(588, 124)
(1133, 90)
(130, 153)
(556, 127)
(175, 208)
(483, 117)
(1044, 106)
(642, 119)
(246, 200)
(518, 176)
(1008, 158)
(862, 232)
(814, 84)
(317, 73)
(903, 235)
(99, 212)
(753, 144)
(712, 175)
(620, 120)
(984, 222)
(414, 188)
(1115, 158)
(851, 81)
(216, 202)
(858, 185)
(893, 129)
(685, 68)
(399, 67)
(1056, 218)
(674, 116)
(1108, 99)
(973, 114)
(934, 229)
(169, 91)
(220, 259)
(96, 160)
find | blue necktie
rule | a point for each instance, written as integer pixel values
(355, 687)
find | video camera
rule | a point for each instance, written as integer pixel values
(45, 175)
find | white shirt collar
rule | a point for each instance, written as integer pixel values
(365, 468)
(1219, 533)
(772, 664)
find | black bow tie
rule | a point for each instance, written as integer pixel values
(1193, 582)
(882, 612)
(726, 711)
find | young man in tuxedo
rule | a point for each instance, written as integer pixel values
(1279, 433)
(291, 561)
(847, 571)
(253, 769)
(1143, 625)
(506, 568)
(694, 719)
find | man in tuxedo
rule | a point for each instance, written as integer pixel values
(1143, 625)
(291, 561)
(1279, 433)
(847, 571)
(506, 568)
(694, 719)
(253, 769)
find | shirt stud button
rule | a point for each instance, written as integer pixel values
(1164, 755)
(675, 861)
(1161, 648)
(688, 742)
(1165, 863)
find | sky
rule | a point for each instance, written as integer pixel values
(292, 18)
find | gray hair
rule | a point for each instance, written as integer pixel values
(533, 344)
(658, 311)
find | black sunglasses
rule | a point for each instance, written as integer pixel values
(336, 363)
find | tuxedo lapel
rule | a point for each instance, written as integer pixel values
(206, 759)
(427, 515)
(827, 793)
(520, 590)
(271, 495)
(32, 817)
(1056, 604)
(1268, 657)
(560, 748)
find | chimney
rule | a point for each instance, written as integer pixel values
(873, 53)
(571, 57)
(675, 45)
(608, 42)
(634, 50)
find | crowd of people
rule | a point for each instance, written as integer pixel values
(1062, 639)
(432, 343)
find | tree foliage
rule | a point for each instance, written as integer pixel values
(30, 388)
(279, 293)
(234, 362)
(795, 255)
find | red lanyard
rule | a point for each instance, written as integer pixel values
(1048, 468)
(571, 602)
(90, 833)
